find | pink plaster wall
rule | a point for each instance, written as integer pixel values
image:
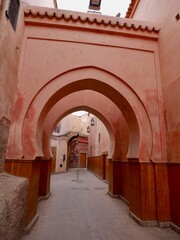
(164, 12)
(60, 57)
(10, 47)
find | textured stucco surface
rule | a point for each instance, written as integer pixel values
(12, 205)
(10, 42)
(64, 50)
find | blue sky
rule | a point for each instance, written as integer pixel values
(108, 7)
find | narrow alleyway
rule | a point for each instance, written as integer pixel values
(82, 210)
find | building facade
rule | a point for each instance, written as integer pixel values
(76, 137)
(69, 143)
(124, 71)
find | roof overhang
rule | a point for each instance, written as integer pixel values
(91, 22)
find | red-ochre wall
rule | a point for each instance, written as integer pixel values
(165, 13)
(65, 50)
(10, 45)
(74, 53)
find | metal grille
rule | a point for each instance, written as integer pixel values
(12, 12)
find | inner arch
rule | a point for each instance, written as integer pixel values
(99, 106)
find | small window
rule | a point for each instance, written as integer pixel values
(12, 12)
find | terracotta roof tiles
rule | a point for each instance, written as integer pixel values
(89, 18)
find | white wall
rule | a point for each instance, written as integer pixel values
(61, 149)
(98, 138)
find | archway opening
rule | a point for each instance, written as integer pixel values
(91, 82)
(75, 138)
(114, 96)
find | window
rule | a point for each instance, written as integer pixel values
(12, 12)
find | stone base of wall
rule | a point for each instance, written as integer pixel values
(28, 229)
(38, 174)
(13, 193)
(143, 223)
(175, 227)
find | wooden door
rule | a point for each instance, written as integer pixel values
(82, 160)
(106, 168)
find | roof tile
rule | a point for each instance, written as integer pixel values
(36, 12)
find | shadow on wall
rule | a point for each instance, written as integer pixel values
(4, 131)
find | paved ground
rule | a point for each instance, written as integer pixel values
(82, 210)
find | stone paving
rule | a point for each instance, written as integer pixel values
(82, 210)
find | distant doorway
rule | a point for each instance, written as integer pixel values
(77, 152)
(73, 159)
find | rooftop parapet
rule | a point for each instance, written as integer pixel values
(86, 20)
